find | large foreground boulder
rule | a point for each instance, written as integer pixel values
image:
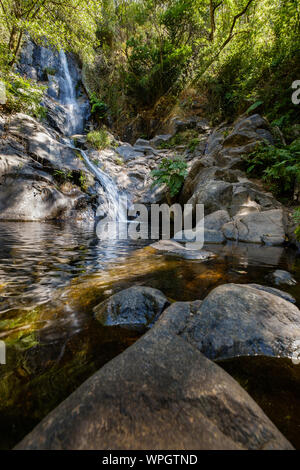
(161, 393)
(136, 308)
(236, 320)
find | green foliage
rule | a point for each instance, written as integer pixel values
(99, 139)
(62, 23)
(193, 144)
(297, 220)
(23, 95)
(83, 181)
(170, 172)
(63, 175)
(99, 108)
(254, 106)
(278, 166)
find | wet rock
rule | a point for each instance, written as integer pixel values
(257, 227)
(236, 320)
(171, 247)
(161, 393)
(281, 277)
(136, 308)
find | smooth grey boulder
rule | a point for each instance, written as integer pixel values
(136, 308)
(281, 277)
(257, 227)
(238, 320)
(161, 393)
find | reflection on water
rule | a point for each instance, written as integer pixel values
(275, 385)
(51, 277)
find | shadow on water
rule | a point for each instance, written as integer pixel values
(51, 277)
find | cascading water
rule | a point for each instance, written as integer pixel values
(114, 210)
(67, 98)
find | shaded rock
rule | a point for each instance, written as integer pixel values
(236, 320)
(216, 220)
(281, 277)
(136, 308)
(257, 227)
(160, 139)
(193, 122)
(249, 129)
(212, 224)
(142, 142)
(215, 195)
(161, 393)
(272, 290)
(171, 247)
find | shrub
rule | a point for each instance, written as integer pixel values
(23, 95)
(99, 108)
(99, 139)
(278, 166)
(170, 172)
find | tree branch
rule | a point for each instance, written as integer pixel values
(231, 35)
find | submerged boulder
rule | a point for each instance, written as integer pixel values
(171, 247)
(281, 277)
(236, 320)
(161, 393)
(136, 308)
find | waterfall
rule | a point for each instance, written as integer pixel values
(67, 98)
(114, 210)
